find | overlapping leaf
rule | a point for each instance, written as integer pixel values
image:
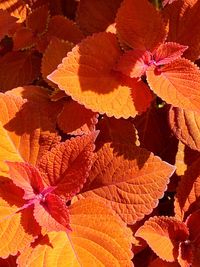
(177, 83)
(188, 192)
(18, 69)
(84, 122)
(86, 74)
(140, 25)
(183, 21)
(7, 22)
(19, 230)
(129, 178)
(186, 126)
(22, 138)
(163, 235)
(16, 8)
(94, 16)
(98, 238)
(67, 165)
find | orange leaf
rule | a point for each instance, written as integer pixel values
(64, 29)
(163, 235)
(95, 16)
(177, 83)
(186, 126)
(139, 25)
(18, 69)
(67, 165)
(128, 178)
(98, 238)
(18, 230)
(16, 8)
(53, 55)
(187, 196)
(7, 22)
(82, 123)
(183, 17)
(22, 138)
(86, 75)
(38, 26)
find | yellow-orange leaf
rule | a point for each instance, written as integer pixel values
(98, 238)
(17, 230)
(128, 178)
(18, 69)
(53, 55)
(186, 126)
(23, 138)
(86, 74)
(140, 25)
(163, 235)
(16, 8)
(177, 83)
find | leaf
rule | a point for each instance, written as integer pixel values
(50, 211)
(16, 8)
(98, 238)
(177, 83)
(140, 25)
(65, 29)
(87, 76)
(83, 123)
(168, 52)
(160, 263)
(22, 138)
(18, 230)
(187, 196)
(7, 22)
(67, 165)
(18, 69)
(183, 25)
(134, 63)
(185, 125)
(163, 235)
(38, 26)
(53, 55)
(94, 16)
(26, 177)
(23, 39)
(52, 214)
(8, 262)
(128, 178)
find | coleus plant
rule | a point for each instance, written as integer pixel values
(81, 184)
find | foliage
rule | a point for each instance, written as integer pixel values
(100, 133)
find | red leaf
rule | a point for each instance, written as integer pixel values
(52, 214)
(134, 63)
(163, 235)
(83, 123)
(38, 26)
(18, 69)
(67, 165)
(139, 25)
(168, 52)
(184, 20)
(26, 177)
(7, 22)
(95, 16)
(177, 83)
